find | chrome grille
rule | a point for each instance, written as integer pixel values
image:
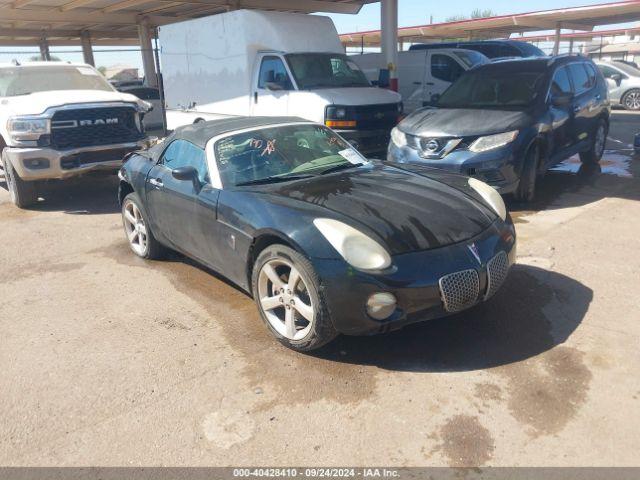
(459, 290)
(497, 269)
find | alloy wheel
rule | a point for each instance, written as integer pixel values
(632, 101)
(284, 299)
(135, 228)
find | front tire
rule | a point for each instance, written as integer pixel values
(631, 100)
(287, 293)
(22, 193)
(594, 154)
(526, 190)
(137, 229)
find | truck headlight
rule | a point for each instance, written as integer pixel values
(398, 137)
(355, 247)
(491, 196)
(490, 142)
(28, 128)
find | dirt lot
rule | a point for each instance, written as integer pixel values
(110, 360)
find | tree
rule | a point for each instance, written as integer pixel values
(477, 13)
(37, 58)
(103, 71)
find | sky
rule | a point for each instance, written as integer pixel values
(410, 12)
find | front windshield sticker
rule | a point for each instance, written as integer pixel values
(350, 155)
(87, 71)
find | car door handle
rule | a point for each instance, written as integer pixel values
(156, 182)
(430, 83)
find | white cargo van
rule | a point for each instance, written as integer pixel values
(249, 62)
(423, 74)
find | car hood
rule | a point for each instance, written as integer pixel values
(460, 122)
(37, 103)
(406, 210)
(358, 95)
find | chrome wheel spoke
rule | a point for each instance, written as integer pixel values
(303, 309)
(294, 277)
(129, 216)
(133, 234)
(273, 276)
(290, 322)
(269, 303)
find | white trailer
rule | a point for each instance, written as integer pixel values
(255, 63)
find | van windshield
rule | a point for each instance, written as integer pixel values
(325, 70)
(27, 79)
(493, 88)
(471, 58)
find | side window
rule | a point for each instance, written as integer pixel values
(607, 71)
(579, 77)
(592, 74)
(509, 51)
(560, 84)
(445, 68)
(272, 70)
(183, 154)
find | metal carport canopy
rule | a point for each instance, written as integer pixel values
(583, 18)
(116, 22)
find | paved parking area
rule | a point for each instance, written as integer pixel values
(110, 360)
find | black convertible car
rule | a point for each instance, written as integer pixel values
(326, 241)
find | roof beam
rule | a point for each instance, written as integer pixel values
(74, 4)
(21, 3)
(53, 33)
(125, 4)
(67, 43)
(548, 24)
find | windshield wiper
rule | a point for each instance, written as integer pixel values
(273, 179)
(342, 166)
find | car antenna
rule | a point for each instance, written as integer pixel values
(15, 62)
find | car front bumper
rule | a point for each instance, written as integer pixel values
(498, 167)
(41, 163)
(415, 281)
(367, 142)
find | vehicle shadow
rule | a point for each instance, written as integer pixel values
(535, 311)
(93, 194)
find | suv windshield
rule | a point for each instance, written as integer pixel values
(280, 153)
(325, 70)
(30, 79)
(471, 58)
(493, 88)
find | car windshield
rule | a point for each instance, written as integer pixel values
(628, 69)
(281, 153)
(471, 58)
(493, 88)
(30, 79)
(325, 70)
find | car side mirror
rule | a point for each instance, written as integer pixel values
(187, 173)
(561, 100)
(273, 86)
(616, 77)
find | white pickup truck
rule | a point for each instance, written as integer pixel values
(59, 120)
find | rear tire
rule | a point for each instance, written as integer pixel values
(594, 154)
(631, 100)
(22, 193)
(526, 190)
(287, 293)
(138, 231)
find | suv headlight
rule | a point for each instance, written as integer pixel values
(28, 128)
(398, 137)
(355, 247)
(491, 196)
(490, 142)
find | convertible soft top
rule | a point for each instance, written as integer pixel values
(200, 133)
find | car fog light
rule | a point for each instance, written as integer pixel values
(381, 305)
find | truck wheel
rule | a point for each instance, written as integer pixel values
(286, 290)
(631, 100)
(526, 190)
(137, 229)
(594, 154)
(22, 193)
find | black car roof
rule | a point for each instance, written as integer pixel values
(532, 63)
(200, 133)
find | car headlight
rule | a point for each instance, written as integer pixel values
(490, 142)
(491, 196)
(398, 137)
(28, 128)
(355, 247)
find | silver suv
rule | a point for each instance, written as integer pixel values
(623, 82)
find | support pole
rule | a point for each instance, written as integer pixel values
(556, 44)
(389, 44)
(146, 47)
(87, 49)
(44, 50)
(571, 46)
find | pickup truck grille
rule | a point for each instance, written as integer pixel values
(86, 127)
(373, 117)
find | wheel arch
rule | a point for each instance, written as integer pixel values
(124, 189)
(541, 140)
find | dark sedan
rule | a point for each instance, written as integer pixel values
(326, 241)
(507, 122)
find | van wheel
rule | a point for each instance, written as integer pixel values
(594, 154)
(22, 193)
(631, 100)
(287, 292)
(526, 190)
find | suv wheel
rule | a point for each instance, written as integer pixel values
(594, 154)
(22, 193)
(286, 290)
(631, 100)
(526, 190)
